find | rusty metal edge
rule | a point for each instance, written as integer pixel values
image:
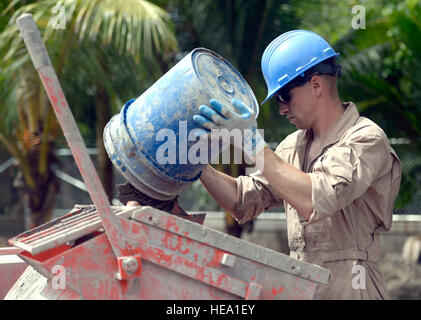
(217, 239)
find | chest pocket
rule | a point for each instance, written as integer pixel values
(336, 164)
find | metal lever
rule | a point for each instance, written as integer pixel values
(111, 224)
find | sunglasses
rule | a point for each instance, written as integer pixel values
(283, 95)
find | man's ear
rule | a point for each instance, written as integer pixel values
(317, 85)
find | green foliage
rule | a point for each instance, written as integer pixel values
(408, 200)
(382, 74)
(126, 32)
(382, 69)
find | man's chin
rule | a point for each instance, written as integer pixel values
(300, 126)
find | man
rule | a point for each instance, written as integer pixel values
(337, 176)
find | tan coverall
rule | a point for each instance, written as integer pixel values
(355, 179)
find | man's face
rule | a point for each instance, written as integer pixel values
(298, 109)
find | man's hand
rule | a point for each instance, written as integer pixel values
(217, 116)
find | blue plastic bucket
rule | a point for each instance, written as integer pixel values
(134, 138)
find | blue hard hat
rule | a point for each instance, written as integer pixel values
(290, 55)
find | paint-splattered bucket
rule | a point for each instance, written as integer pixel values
(134, 138)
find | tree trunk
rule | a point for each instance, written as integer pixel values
(38, 202)
(44, 211)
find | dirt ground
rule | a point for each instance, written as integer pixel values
(403, 280)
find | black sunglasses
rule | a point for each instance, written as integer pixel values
(283, 95)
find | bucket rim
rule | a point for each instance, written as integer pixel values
(255, 106)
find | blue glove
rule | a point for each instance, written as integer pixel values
(218, 116)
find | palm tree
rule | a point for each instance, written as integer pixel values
(98, 37)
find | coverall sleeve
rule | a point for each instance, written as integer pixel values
(254, 195)
(346, 171)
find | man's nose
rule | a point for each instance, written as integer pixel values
(283, 108)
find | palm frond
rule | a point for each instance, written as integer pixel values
(132, 25)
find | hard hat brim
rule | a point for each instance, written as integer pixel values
(297, 75)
